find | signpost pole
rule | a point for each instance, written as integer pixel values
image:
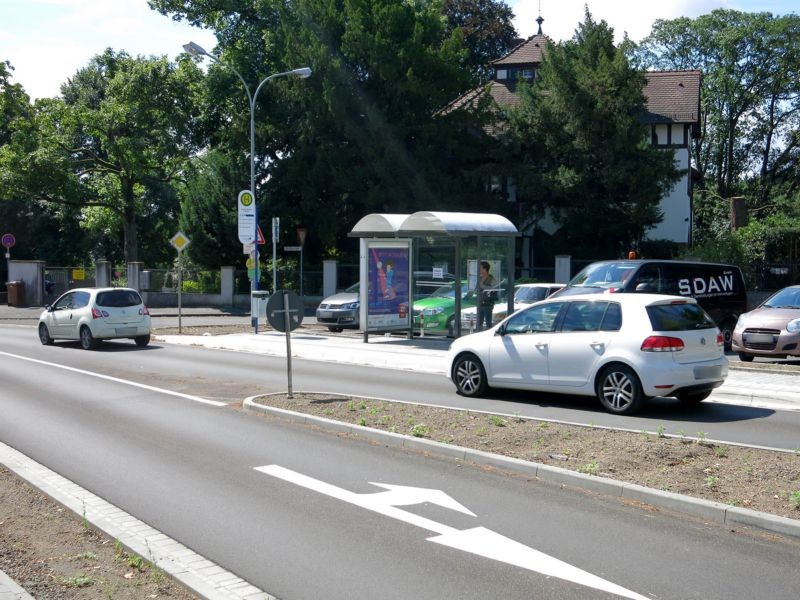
(284, 313)
(180, 291)
(288, 343)
(179, 241)
(276, 225)
(8, 242)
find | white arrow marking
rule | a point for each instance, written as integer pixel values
(403, 495)
(478, 540)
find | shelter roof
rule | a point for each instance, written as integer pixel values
(442, 224)
(378, 224)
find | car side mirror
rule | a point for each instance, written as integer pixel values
(500, 330)
(644, 287)
(48, 308)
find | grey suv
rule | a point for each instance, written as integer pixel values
(340, 310)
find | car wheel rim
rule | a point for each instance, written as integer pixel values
(618, 390)
(43, 334)
(468, 375)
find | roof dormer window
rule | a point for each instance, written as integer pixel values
(502, 74)
(527, 74)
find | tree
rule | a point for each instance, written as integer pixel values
(487, 28)
(115, 144)
(361, 135)
(585, 156)
(209, 209)
(750, 97)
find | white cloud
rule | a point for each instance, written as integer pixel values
(47, 41)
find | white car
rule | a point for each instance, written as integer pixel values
(525, 294)
(621, 349)
(93, 314)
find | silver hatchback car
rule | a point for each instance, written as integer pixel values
(93, 314)
(772, 330)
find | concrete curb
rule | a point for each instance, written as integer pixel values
(715, 512)
(9, 590)
(197, 573)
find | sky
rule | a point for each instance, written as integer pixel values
(47, 41)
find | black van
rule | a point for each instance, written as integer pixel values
(718, 288)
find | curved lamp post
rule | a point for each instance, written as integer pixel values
(303, 72)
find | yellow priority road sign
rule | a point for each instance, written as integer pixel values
(179, 241)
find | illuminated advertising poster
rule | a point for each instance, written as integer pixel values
(388, 294)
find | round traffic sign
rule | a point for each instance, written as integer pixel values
(278, 304)
(9, 240)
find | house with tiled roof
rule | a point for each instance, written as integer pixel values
(672, 114)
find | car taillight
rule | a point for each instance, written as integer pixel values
(720, 340)
(662, 343)
(96, 314)
(143, 310)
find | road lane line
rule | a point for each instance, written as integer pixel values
(117, 380)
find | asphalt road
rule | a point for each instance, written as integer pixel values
(232, 376)
(189, 469)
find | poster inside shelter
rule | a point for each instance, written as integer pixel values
(388, 296)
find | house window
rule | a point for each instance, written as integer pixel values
(502, 73)
(660, 136)
(678, 135)
(527, 74)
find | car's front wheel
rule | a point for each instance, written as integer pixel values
(469, 375)
(88, 341)
(44, 335)
(746, 357)
(336, 329)
(142, 340)
(619, 390)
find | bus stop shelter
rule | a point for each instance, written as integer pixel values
(424, 240)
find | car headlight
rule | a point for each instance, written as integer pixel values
(432, 312)
(349, 306)
(793, 326)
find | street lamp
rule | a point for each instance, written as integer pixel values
(303, 72)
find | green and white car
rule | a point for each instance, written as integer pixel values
(436, 313)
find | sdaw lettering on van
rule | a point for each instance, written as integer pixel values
(718, 288)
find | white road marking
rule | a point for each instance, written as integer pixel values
(478, 540)
(117, 380)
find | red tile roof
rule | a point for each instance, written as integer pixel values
(526, 52)
(672, 96)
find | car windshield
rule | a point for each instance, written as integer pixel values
(604, 275)
(353, 289)
(786, 298)
(528, 295)
(118, 299)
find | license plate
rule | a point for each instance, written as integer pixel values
(759, 338)
(325, 314)
(708, 372)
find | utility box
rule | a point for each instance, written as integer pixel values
(258, 304)
(16, 293)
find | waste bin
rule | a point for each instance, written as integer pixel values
(258, 305)
(16, 293)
